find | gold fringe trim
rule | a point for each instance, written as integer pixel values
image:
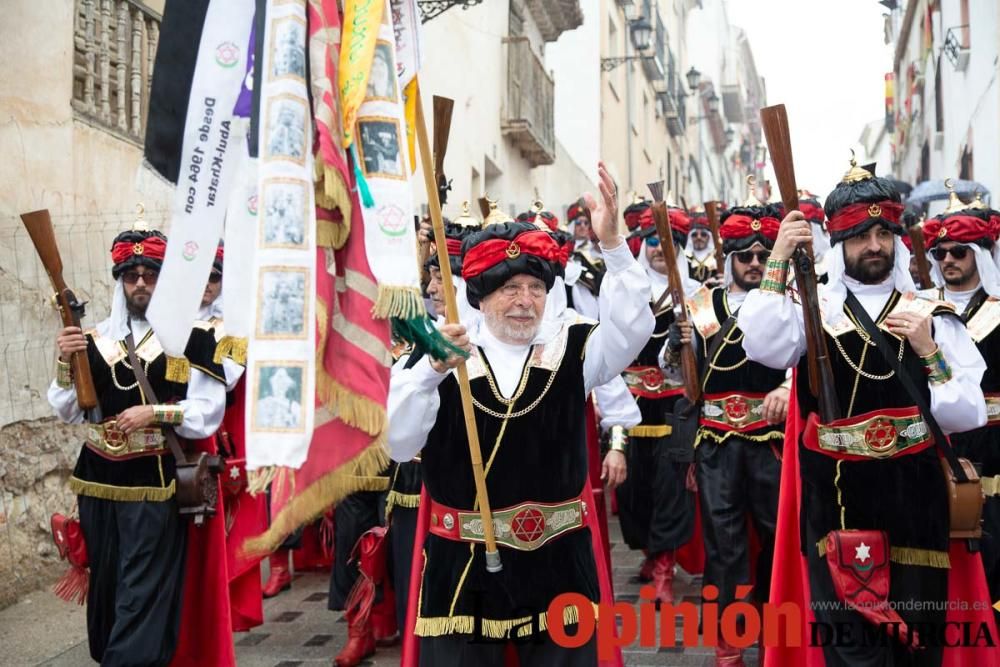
(407, 500)
(332, 192)
(907, 556)
(650, 431)
(403, 302)
(770, 435)
(233, 347)
(354, 410)
(258, 480)
(178, 369)
(319, 496)
(490, 627)
(121, 493)
(372, 483)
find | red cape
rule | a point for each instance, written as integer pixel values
(206, 636)
(790, 583)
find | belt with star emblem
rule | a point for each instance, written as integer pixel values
(524, 527)
(881, 434)
(650, 382)
(733, 412)
(107, 440)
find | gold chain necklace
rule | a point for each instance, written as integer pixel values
(738, 364)
(867, 341)
(520, 390)
(114, 376)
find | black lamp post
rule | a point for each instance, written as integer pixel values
(693, 77)
(640, 33)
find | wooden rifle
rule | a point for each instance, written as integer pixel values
(71, 309)
(712, 213)
(916, 233)
(689, 362)
(821, 382)
(443, 107)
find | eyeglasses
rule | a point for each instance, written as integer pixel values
(700, 232)
(959, 252)
(215, 277)
(536, 290)
(132, 277)
(652, 240)
(746, 256)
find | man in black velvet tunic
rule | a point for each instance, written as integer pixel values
(124, 477)
(529, 379)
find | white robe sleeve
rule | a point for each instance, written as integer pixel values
(233, 372)
(773, 332)
(204, 406)
(958, 404)
(63, 402)
(617, 405)
(626, 320)
(412, 409)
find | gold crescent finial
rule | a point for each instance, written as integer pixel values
(856, 173)
(949, 184)
(466, 219)
(752, 192)
(537, 206)
(140, 224)
(954, 203)
(751, 181)
(854, 161)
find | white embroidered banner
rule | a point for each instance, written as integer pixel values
(282, 349)
(206, 172)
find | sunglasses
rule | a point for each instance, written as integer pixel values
(652, 241)
(959, 252)
(746, 256)
(132, 277)
(215, 278)
(700, 232)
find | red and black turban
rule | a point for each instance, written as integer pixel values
(963, 228)
(454, 234)
(810, 207)
(744, 226)
(499, 252)
(134, 248)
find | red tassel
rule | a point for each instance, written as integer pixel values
(360, 600)
(326, 536)
(73, 586)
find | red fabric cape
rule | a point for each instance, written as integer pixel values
(249, 518)
(206, 636)
(790, 582)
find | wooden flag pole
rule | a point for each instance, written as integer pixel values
(493, 563)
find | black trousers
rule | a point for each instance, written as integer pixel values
(402, 533)
(351, 518)
(460, 651)
(735, 479)
(136, 552)
(655, 509)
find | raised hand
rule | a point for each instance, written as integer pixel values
(604, 212)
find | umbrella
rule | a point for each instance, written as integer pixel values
(902, 187)
(935, 190)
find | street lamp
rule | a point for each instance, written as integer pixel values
(713, 104)
(640, 33)
(693, 77)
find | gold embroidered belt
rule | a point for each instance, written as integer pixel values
(108, 441)
(874, 435)
(524, 527)
(733, 412)
(993, 409)
(650, 382)
(650, 431)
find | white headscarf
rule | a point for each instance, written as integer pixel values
(836, 290)
(989, 274)
(659, 281)
(116, 326)
(689, 247)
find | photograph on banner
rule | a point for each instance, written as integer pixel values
(286, 128)
(285, 213)
(282, 302)
(382, 78)
(278, 388)
(380, 147)
(288, 48)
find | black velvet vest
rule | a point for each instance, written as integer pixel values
(730, 371)
(905, 495)
(654, 411)
(982, 445)
(539, 455)
(121, 479)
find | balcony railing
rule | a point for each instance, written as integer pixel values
(114, 44)
(528, 117)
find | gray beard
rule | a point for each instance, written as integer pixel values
(499, 327)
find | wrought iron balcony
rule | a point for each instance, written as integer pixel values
(528, 115)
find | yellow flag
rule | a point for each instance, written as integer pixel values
(361, 23)
(410, 114)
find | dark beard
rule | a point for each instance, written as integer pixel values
(136, 310)
(744, 284)
(963, 277)
(869, 273)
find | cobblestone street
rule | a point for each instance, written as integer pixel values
(298, 628)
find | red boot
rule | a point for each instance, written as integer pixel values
(280, 578)
(728, 656)
(384, 618)
(360, 641)
(646, 569)
(663, 576)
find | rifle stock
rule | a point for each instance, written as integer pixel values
(916, 233)
(712, 213)
(689, 362)
(821, 383)
(39, 227)
(443, 107)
